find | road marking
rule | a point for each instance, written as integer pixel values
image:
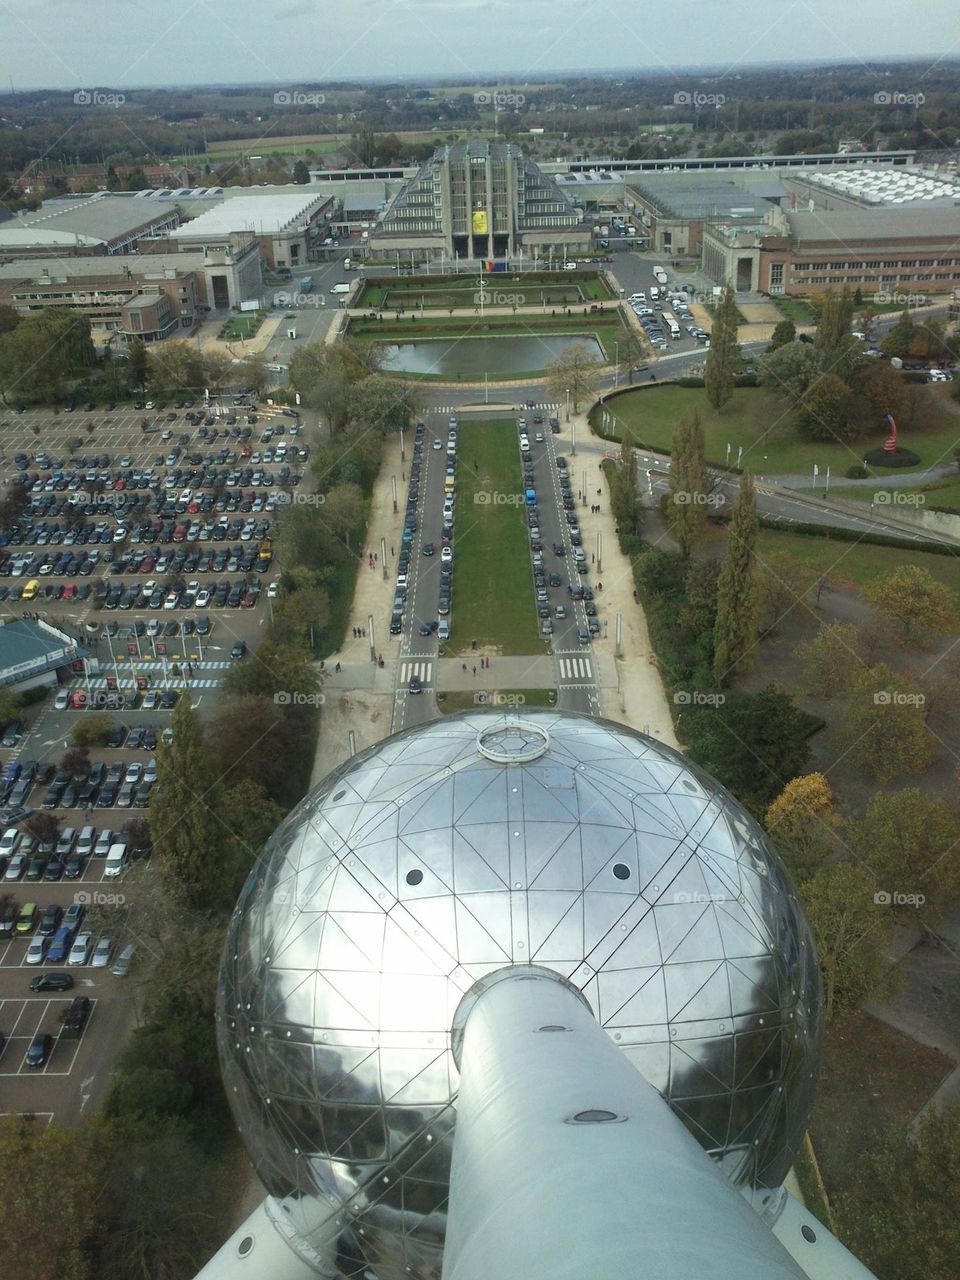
(422, 669)
(575, 669)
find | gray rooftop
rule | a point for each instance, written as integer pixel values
(101, 217)
(683, 195)
(849, 226)
(28, 648)
(141, 266)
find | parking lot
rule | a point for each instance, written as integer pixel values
(153, 548)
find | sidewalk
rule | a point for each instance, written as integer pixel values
(640, 699)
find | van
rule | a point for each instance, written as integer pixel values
(76, 1016)
(121, 966)
(31, 589)
(347, 264)
(86, 841)
(449, 484)
(60, 945)
(68, 838)
(116, 860)
(104, 841)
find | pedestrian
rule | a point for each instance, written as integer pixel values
(376, 558)
(337, 668)
(599, 491)
(599, 586)
(474, 670)
(464, 665)
(635, 598)
(354, 633)
(391, 548)
(598, 508)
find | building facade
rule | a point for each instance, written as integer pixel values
(480, 200)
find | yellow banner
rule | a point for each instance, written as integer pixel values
(479, 222)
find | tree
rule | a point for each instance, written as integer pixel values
(137, 362)
(91, 730)
(752, 743)
(174, 368)
(911, 597)
(790, 370)
(254, 739)
(824, 411)
(9, 317)
(382, 402)
(301, 174)
(830, 659)
(76, 760)
(835, 342)
(281, 672)
(217, 370)
(324, 375)
(698, 613)
(899, 1213)
(44, 827)
(803, 821)
(847, 929)
(882, 388)
(882, 728)
(898, 341)
(723, 357)
(738, 606)
(782, 585)
(625, 501)
(35, 1193)
(577, 371)
(688, 486)
(785, 331)
(10, 705)
(909, 841)
(254, 372)
(253, 817)
(197, 854)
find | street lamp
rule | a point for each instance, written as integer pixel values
(568, 404)
(616, 371)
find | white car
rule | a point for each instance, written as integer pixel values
(102, 953)
(16, 867)
(80, 951)
(171, 601)
(438, 444)
(272, 591)
(446, 555)
(203, 598)
(62, 700)
(153, 627)
(938, 375)
(539, 437)
(11, 838)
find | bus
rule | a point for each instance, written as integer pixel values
(671, 324)
(659, 275)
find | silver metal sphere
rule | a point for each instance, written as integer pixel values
(457, 848)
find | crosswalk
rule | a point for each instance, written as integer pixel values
(421, 669)
(578, 669)
(144, 665)
(96, 683)
(545, 407)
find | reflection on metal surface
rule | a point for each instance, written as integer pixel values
(604, 857)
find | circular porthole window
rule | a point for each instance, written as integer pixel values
(414, 877)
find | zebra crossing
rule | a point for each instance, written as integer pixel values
(545, 407)
(423, 670)
(97, 683)
(144, 665)
(576, 669)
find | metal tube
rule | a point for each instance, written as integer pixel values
(568, 1164)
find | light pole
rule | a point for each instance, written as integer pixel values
(383, 556)
(568, 404)
(616, 371)
(393, 483)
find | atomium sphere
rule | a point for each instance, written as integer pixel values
(450, 851)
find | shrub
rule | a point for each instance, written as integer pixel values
(899, 458)
(857, 473)
(695, 382)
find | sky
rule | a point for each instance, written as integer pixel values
(71, 44)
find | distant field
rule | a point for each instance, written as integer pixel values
(855, 563)
(259, 145)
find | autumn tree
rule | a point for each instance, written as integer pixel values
(687, 486)
(723, 356)
(847, 926)
(577, 371)
(834, 340)
(913, 599)
(790, 370)
(735, 629)
(882, 388)
(803, 821)
(782, 585)
(784, 332)
(898, 341)
(824, 410)
(911, 844)
(830, 658)
(882, 728)
(899, 1212)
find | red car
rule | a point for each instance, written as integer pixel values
(120, 484)
(69, 591)
(250, 599)
(148, 566)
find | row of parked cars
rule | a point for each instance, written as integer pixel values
(102, 786)
(67, 858)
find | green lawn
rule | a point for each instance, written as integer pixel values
(795, 309)
(934, 495)
(493, 601)
(856, 562)
(458, 289)
(242, 326)
(501, 700)
(756, 420)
